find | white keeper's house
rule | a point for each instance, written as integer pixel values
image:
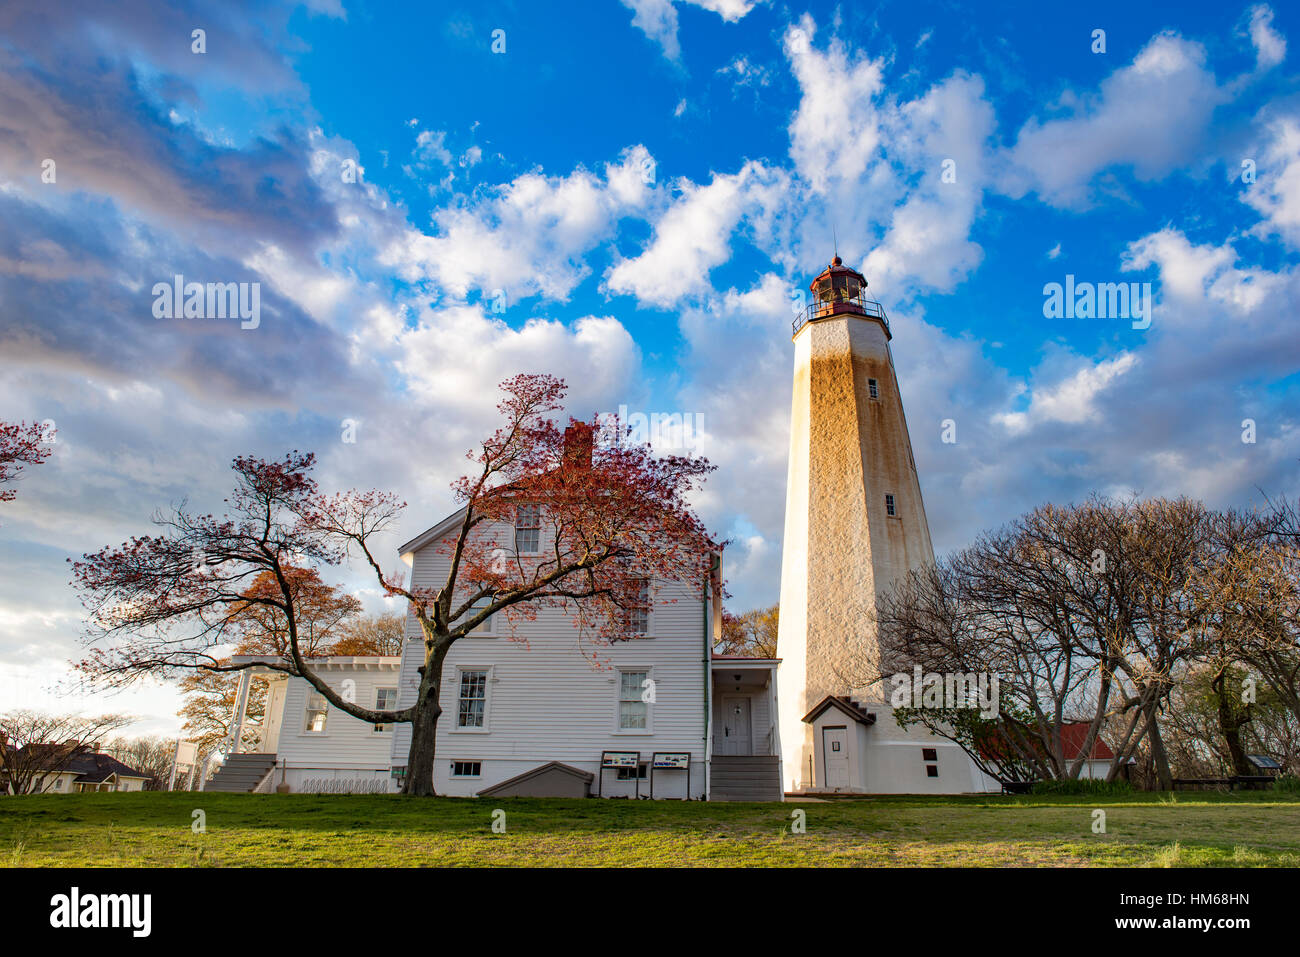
(531, 713)
(536, 717)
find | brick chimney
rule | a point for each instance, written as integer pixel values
(578, 444)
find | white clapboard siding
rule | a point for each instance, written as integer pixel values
(549, 702)
(346, 742)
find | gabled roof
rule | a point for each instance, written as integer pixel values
(844, 704)
(434, 533)
(91, 768)
(1072, 737)
(585, 776)
(1073, 734)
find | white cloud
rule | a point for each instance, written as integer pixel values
(1202, 280)
(1073, 399)
(944, 134)
(835, 132)
(431, 146)
(454, 356)
(694, 235)
(526, 237)
(729, 10)
(657, 19)
(1150, 115)
(1270, 46)
(915, 169)
(1275, 194)
(746, 72)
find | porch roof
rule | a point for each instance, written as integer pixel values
(730, 661)
(364, 663)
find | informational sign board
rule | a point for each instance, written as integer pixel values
(670, 761)
(184, 756)
(618, 760)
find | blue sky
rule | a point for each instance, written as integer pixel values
(641, 188)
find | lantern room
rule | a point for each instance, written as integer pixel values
(840, 291)
(839, 284)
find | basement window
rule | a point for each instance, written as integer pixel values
(889, 506)
(873, 389)
(466, 769)
(629, 774)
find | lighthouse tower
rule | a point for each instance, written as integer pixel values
(854, 520)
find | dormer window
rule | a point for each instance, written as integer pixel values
(528, 529)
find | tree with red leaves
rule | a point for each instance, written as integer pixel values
(20, 444)
(322, 616)
(608, 519)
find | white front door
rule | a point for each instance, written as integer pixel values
(835, 748)
(736, 735)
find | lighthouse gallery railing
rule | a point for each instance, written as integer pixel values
(850, 306)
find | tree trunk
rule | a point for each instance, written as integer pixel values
(1231, 722)
(1158, 754)
(424, 727)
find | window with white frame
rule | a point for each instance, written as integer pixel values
(317, 712)
(528, 529)
(638, 619)
(889, 505)
(466, 769)
(385, 700)
(873, 389)
(633, 709)
(487, 629)
(471, 699)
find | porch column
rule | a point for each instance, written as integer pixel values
(171, 778)
(237, 718)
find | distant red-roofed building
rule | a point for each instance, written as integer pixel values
(1073, 735)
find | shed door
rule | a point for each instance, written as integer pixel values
(835, 744)
(736, 737)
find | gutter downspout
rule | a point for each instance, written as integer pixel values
(708, 681)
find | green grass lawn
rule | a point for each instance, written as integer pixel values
(123, 830)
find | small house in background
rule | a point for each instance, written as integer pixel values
(1097, 764)
(89, 772)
